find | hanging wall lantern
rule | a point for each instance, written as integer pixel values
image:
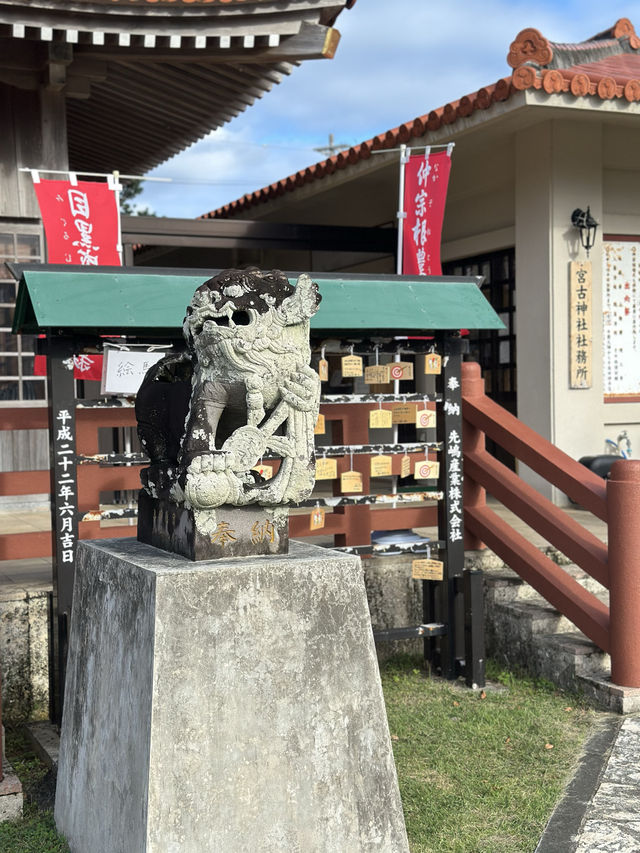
(587, 226)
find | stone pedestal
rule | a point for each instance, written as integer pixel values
(224, 706)
(233, 531)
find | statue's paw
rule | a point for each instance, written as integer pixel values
(282, 445)
(206, 463)
(206, 490)
(301, 390)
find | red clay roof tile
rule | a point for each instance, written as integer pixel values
(606, 66)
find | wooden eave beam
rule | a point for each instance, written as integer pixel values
(312, 42)
(244, 233)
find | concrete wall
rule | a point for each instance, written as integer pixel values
(24, 653)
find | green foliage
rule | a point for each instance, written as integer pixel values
(130, 191)
(480, 772)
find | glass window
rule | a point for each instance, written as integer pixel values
(7, 292)
(6, 246)
(28, 246)
(6, 317)
(9, 365)
(18, 242)
(27, 365)
(8, 342)
(496, 348)
(34, 389)
(8, 390)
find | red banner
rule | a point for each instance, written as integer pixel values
(85, 366)
(80, 222)
(426, 179)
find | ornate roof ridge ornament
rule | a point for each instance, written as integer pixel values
(530, 47)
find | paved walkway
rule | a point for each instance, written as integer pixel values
(600, 811)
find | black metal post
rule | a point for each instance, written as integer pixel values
(474, 653)
(450, 518)
(64, 505)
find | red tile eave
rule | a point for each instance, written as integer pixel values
(606, 79)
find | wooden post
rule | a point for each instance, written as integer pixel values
(473, 440)
(623, 512)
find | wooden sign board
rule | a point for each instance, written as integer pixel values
(581, 325)
(124, 370)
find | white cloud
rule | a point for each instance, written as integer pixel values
(396, 60)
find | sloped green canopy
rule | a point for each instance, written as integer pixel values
(130, 301)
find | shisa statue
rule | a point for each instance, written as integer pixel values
(242, 390)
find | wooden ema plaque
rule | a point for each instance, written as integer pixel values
(381, 466)
(351, 481)
(377, 374)
(426, 470)
(427, 570)
(323, 370)
(432, 364)
(326, 469)
(351, 365)
(380, 418)
(316, 519)
(404, 413)
(400, 370)
(425, 418)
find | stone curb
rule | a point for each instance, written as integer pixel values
(562, 831)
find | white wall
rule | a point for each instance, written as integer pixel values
(558, 168)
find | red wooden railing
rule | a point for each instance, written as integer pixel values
(350, 525)
(615, 629)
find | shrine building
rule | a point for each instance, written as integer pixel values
(555, 139)
(98, 85)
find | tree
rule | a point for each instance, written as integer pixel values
(129, 191)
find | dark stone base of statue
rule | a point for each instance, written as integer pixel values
(232, 531)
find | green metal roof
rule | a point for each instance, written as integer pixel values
(74, 300)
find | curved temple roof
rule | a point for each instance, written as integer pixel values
(605, 67)
(143, 79)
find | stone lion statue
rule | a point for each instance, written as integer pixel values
(243, 389)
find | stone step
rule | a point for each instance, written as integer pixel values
(505, 585)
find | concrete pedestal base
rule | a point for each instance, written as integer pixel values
(224, 706)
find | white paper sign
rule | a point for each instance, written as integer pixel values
(124, 370)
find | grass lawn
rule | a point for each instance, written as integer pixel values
(480, 771)
(477, 771)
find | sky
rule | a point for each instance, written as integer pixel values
(397, 59)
